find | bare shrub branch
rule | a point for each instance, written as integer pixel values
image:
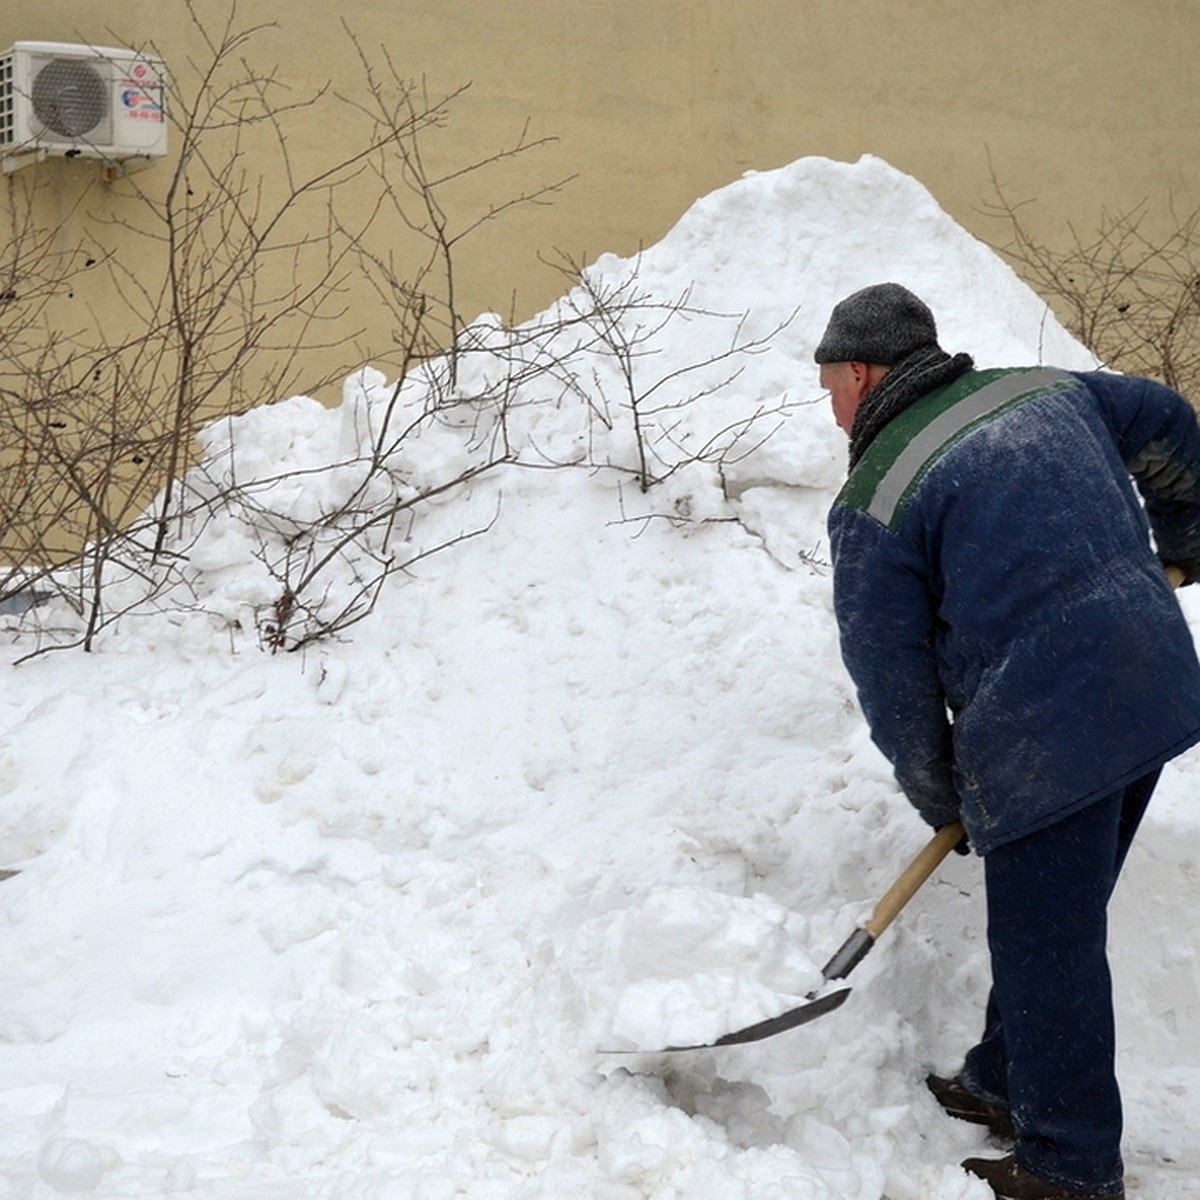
(625, 324)
(231, 266)
(141, 444)
(1130, 295)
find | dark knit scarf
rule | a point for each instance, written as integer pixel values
(922, 372)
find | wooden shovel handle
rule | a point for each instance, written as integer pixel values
(915, 874)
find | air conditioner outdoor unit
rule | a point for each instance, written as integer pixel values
(91, 101)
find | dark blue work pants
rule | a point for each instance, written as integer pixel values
(1049, 1044)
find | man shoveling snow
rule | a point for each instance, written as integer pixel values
(1023, 664)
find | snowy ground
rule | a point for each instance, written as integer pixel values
(353, 923)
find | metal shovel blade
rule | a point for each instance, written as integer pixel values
(800, 1015)
(851, 952)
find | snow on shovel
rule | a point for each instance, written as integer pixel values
(852, 951)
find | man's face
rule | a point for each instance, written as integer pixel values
(845, 390)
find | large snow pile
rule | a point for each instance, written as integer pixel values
(355, 922)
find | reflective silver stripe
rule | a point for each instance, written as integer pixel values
(954, 420)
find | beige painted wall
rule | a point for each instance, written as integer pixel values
(1080, 104)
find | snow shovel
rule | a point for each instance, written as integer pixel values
(853, 950)
(856, 947)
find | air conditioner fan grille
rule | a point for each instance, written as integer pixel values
(69, 97)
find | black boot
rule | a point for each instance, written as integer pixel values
(1011, 1181)
(962, 1103)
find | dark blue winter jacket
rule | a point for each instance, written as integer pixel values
(1017, 649)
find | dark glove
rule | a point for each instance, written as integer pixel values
(1182, 573)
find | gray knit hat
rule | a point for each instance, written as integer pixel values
(883, 323)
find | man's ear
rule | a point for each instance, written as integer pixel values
(862, 375)
(868, 375)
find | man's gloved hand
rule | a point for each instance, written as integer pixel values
(1182, 573)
